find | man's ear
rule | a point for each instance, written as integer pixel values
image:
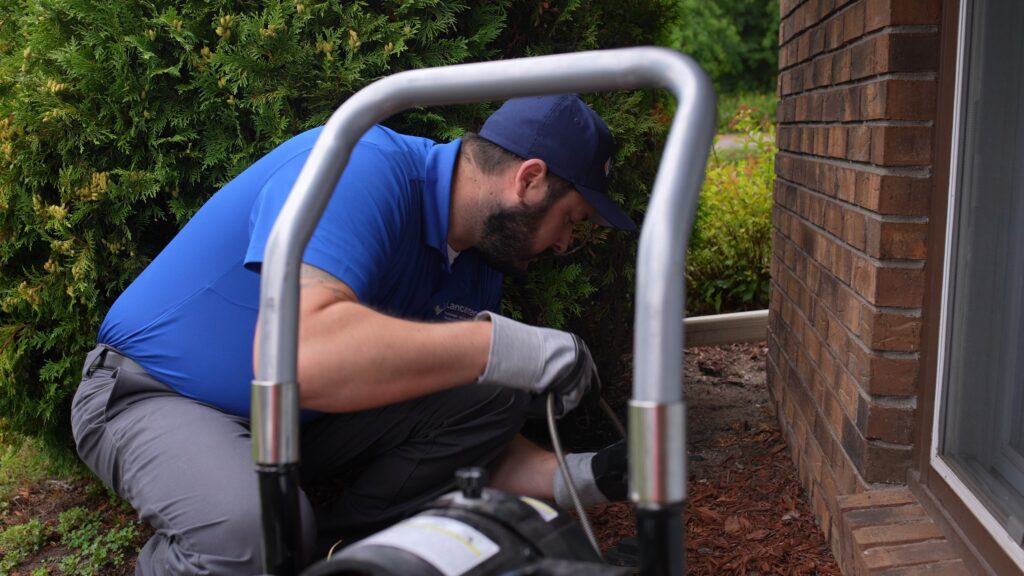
(531, 180)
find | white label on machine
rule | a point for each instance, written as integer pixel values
(546, 512)
(450, 546)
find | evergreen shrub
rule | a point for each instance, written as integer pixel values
(727, 268)
(119, 118)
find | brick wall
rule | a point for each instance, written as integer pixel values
(857, 81)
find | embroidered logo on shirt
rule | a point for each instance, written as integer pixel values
(453, 311)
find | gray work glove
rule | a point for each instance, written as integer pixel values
(538, 360)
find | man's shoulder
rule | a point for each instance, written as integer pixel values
(391, 144)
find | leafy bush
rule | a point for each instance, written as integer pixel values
(118, 119)
(730, 248)
(761, 106)
(735, 41)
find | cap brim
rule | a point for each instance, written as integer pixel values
(607, 210)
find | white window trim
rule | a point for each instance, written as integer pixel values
(938, 464)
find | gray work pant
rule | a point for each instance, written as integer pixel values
(187, 467)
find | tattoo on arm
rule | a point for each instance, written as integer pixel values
(310, 276)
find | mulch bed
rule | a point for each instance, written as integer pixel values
(746, 512)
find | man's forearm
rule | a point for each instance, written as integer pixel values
(354, 358)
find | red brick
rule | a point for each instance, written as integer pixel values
(866, 189)
(878, 14)
(851, 104)
(820, 141)
(864, 276)
(901, 145)
(803, 48)
(881, 498)
(787, 6)
(847, 190)
(834, 218)
(829, 487)
(910, 52)
(837, 339)
(853, 22)
(828, 362)
(834, 415)
(807, 139)
(881, 13)
(822, 69)
(842, 266)
(848, 394)
(892, 376)
(885, 557)
(786, 111)
(854, 445)
(888, 423)
(872, 103)
(841, 71)
(895, 534)
(896, 240)
(831, 106)
(848, 480)
(837, 142)
(950, 568)
(910, 99)
(866, 58)
(898, 287)
(860, 144)
(817, 41)
(833, 28)
(801, 113)
(812, 458)
(854, 229)
(885, 463)
(785, 83)
(917, 12)
(890, 332)
(903, 195)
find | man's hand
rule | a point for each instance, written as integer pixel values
(538, 360)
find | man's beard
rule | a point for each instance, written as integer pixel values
(507, 241)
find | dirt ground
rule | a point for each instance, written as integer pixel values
(746, 512)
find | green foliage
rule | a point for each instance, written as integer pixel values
(761, 106)
(118, 119)
(735, 41)
(95, 549)
(730, 248)
(20, 541)
(25, 461)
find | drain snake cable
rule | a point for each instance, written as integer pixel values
(563, 468)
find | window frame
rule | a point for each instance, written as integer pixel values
(938, 464)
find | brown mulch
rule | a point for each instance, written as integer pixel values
(746, 512)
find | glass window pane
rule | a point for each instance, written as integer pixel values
(983, 426)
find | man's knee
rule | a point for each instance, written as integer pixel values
(497, 406)
(233, 546)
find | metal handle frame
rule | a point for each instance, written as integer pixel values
(657, 437)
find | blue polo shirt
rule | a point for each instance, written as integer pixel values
(190, 317)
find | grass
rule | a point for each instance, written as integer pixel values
(28, 461)
(56, 518)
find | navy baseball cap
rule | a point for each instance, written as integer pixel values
(569, 137)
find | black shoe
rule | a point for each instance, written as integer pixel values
(626, 553)
(611, 471)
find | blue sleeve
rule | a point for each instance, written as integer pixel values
(358, 232)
